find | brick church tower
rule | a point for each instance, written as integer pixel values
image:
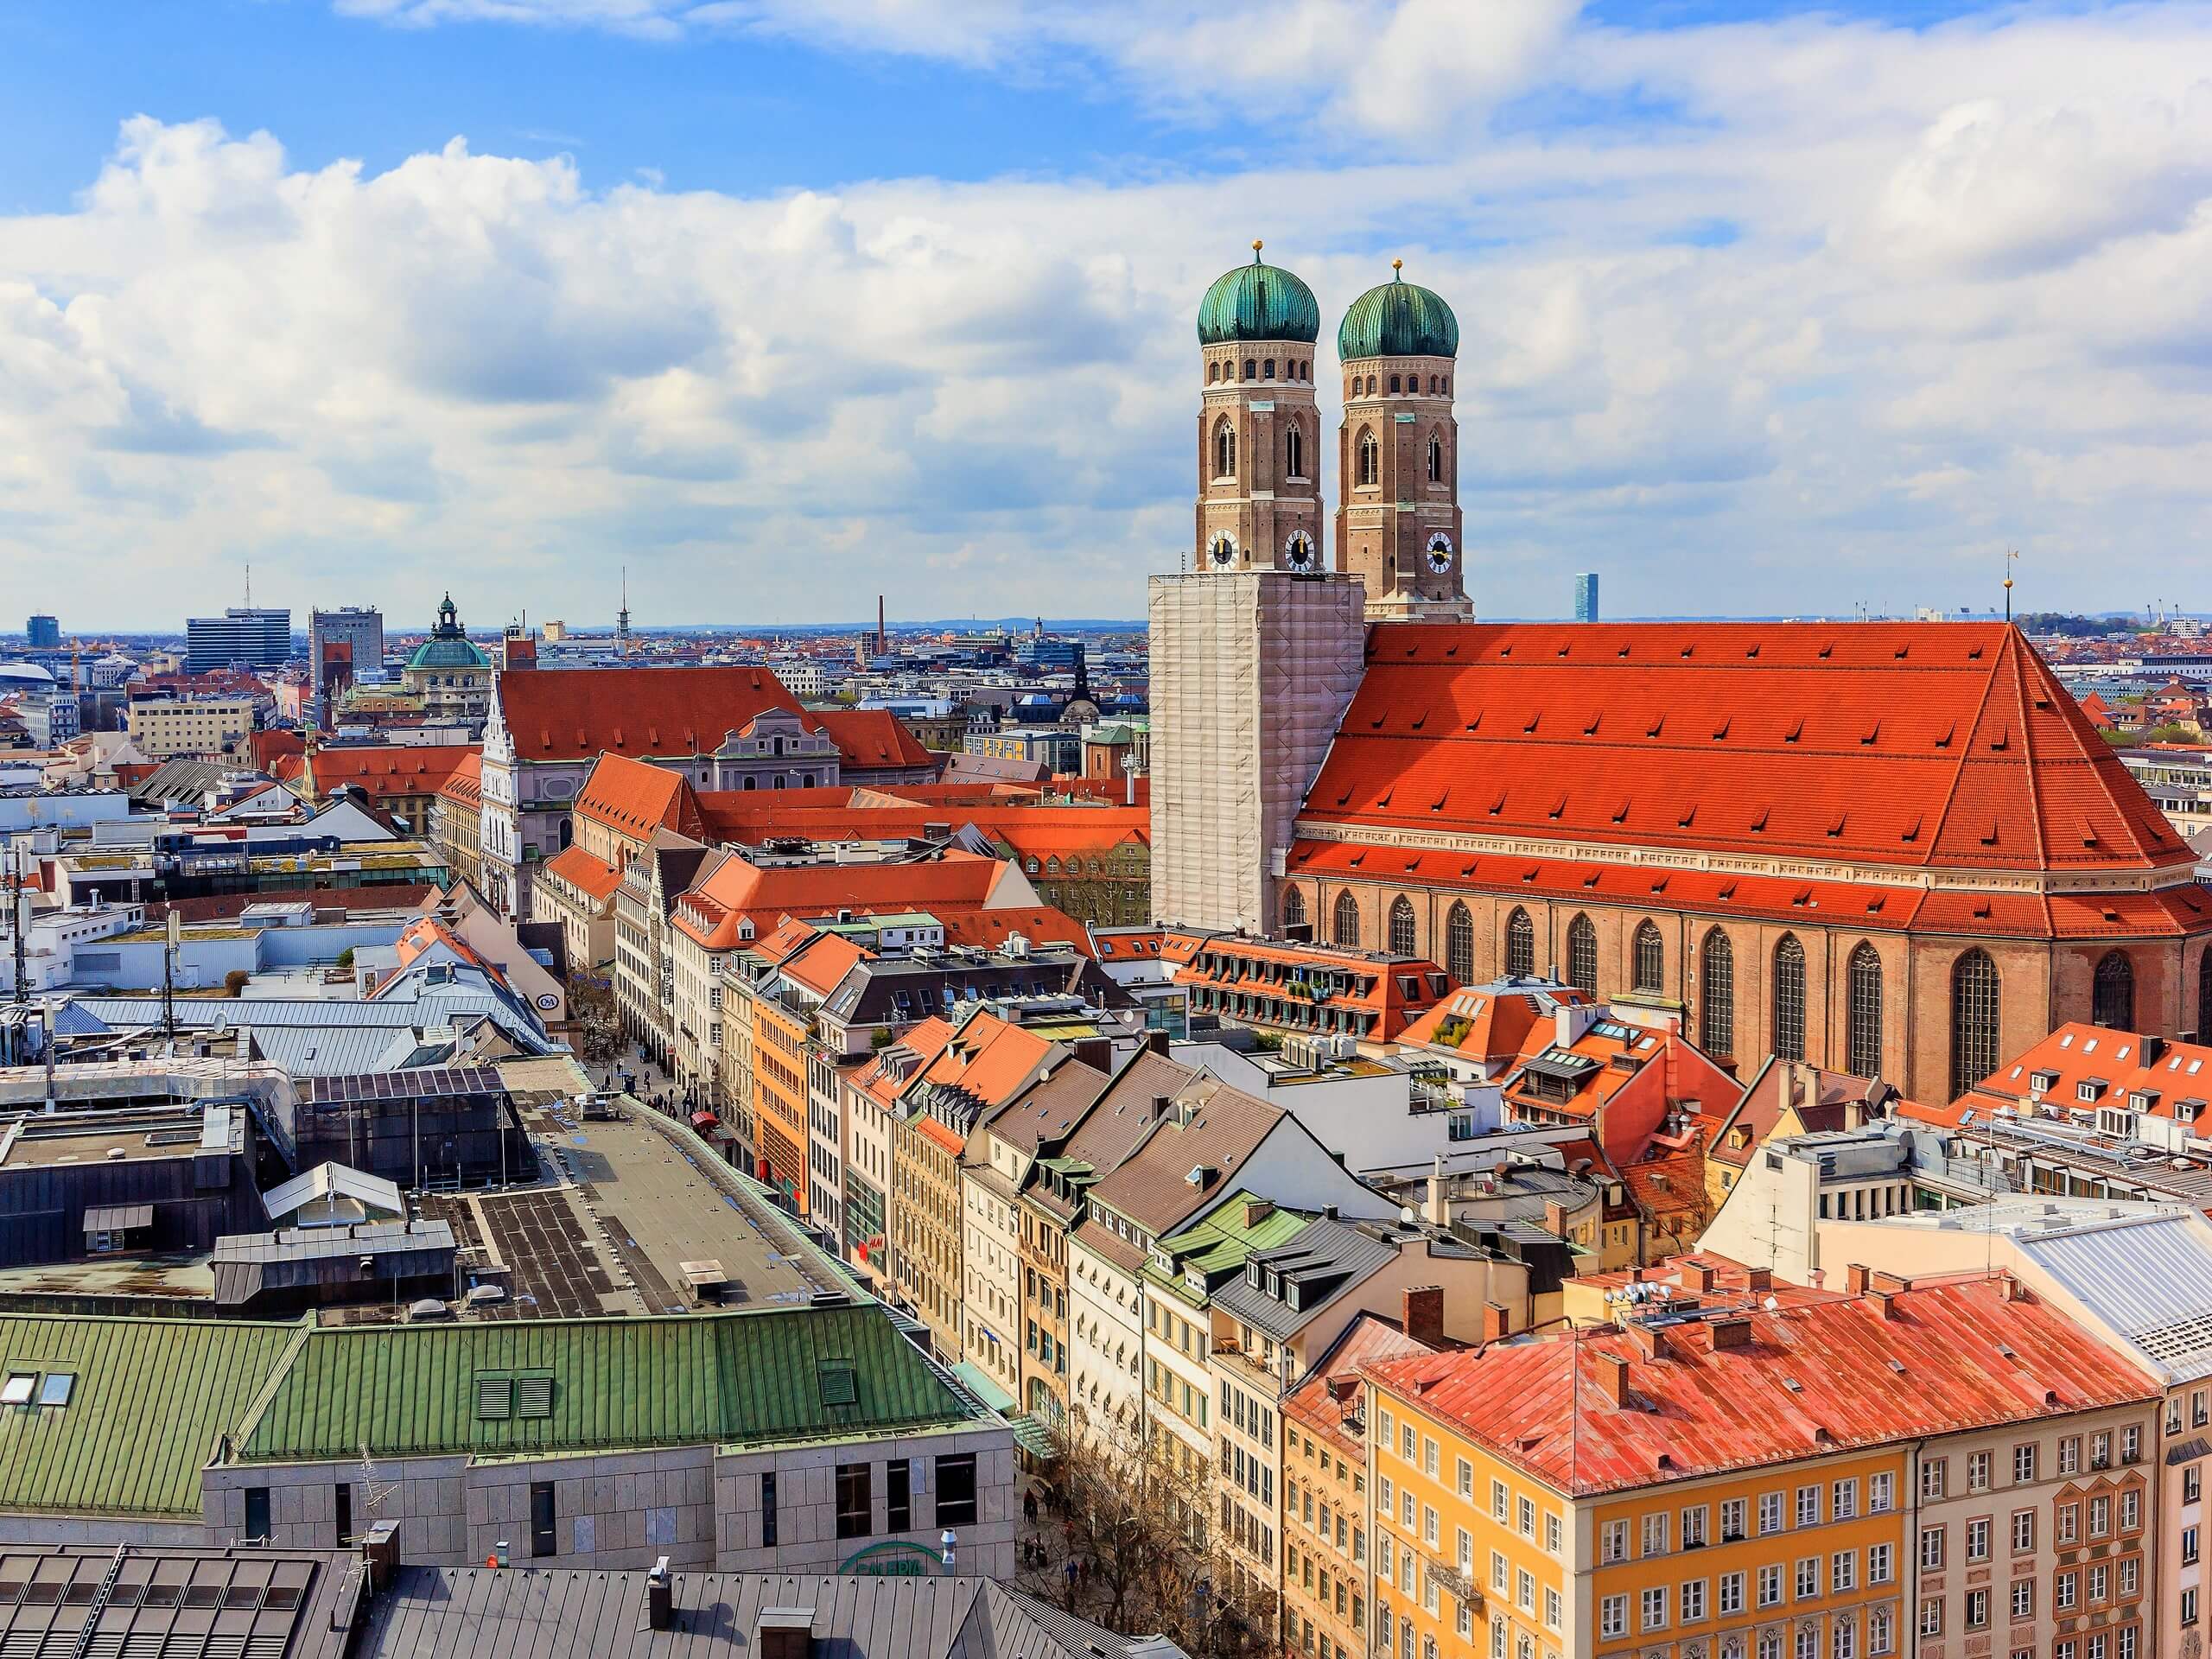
(1257, 649)
(1398, 455)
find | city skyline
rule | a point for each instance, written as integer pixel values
(1818, 310)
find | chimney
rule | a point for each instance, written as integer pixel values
(1731, 1333)
(1497, 1322)
(1555, 1218)
(1696, 1275)
(1854, 1279)
(1157, 1042)
(1886, 1303)
(1438, 1210)
(380, 1553)
(1256, 1210)
(1097, 1052)
(1758, 1280)
(784, 1633)
(1421, 1315)
(660, 1599)
(1612, 1377)
(1650, 1339)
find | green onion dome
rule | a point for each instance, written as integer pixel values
(1258, 301)
(1399, 319)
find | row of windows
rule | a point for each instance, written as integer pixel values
(1662, 1531)
(1440, 385)
(1975, 987)
(1294, 368)
(1368, 459)
(1843, 1630)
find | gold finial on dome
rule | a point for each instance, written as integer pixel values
(1256, 246)
(1397, 264)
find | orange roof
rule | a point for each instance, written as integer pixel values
(943, 1135)
(422, 934)
(738, 890)
(750, 816)
(635, 797)
(1803, 1382)
(466, 785)
(387, 771)
(594, 878)
(828, 960)
(1942, 745)
(1392, 991)
(988, 1059)
(2080, 1066)
(571, 713)
(1490, 1022)
(1127, 944)
(991, 929)
(266, 746)
(880, 1077)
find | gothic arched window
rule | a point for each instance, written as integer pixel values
(1977, 1009)
(1251, 369)
(1789, 998)
(1650, 960)
(1863, 1011)
(1520, 945)
(1267, 370)
(2113, 1003)
(1717, 985)
(1347, 919)
(1224, 450)
(1370, 385)
(1213, 372)
(1370, 458)
(1293, 453)
(1394, 383)
(1459, 944)
(1435, 458)
(1582, 956)
(1401, 926)
(1294, 909)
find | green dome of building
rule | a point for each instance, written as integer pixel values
(1399, 319)
(449, 645)
(1258, 301)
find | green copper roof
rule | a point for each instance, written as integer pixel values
(535, 1386)
(1399, 318)
(449, 645)
(1220, 1243)
(1258, 301)
(149, 1400)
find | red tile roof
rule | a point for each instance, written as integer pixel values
(2077, 1054)
(1389, 992)
(1942, 745)
(1492, 1023)
(387, 771)
(635, 797)
(878, 1078)
(991, 929)
(737, 890)
(1805, 1381)
(596, 878)
(571, 713)
(466, 786)
(989, 1059)
(265, 746)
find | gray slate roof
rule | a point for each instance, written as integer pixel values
(1323, 1251)
(456, 1612)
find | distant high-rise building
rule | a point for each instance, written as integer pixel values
(1586, 596)
(44, 633)
(360, 626)
(255, 639)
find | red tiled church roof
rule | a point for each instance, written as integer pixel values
(1949, 746)
(387, 771)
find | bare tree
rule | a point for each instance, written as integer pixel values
(1130, 1542)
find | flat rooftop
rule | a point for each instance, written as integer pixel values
(39, 1141)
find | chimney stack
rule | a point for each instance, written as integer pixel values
(1734, 1332)
(1497, 1322)
(1421, 1315)
(660, 1597)
(1612, 1377)
(380, 1553)
(1759, 1280)
(1854, 1279)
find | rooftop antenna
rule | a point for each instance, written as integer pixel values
(249, 584)
(2011, 557)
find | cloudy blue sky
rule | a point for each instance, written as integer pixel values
(783, 303)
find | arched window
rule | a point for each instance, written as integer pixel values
(1401, 926)
(1717, 994)
(1394, 383)
(1267, 370)
(1863, 1011)
(1789, 998)
(1250, 369)
(1294, 909)
(1650, 960)
(1213, 372)
(1370, 457)
(2204, 995)
(1582, 956)
(1293, 452)
(1435, 458)
(1447, 385)
(1370, 385)
(1977, 1005)
(1520, 945)
(1459, 945)
(2113, 1004)
(1347, 919)
(1224, 450)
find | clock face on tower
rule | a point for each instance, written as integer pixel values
(1221, 552)
(1298, 553)
(1440, 553)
